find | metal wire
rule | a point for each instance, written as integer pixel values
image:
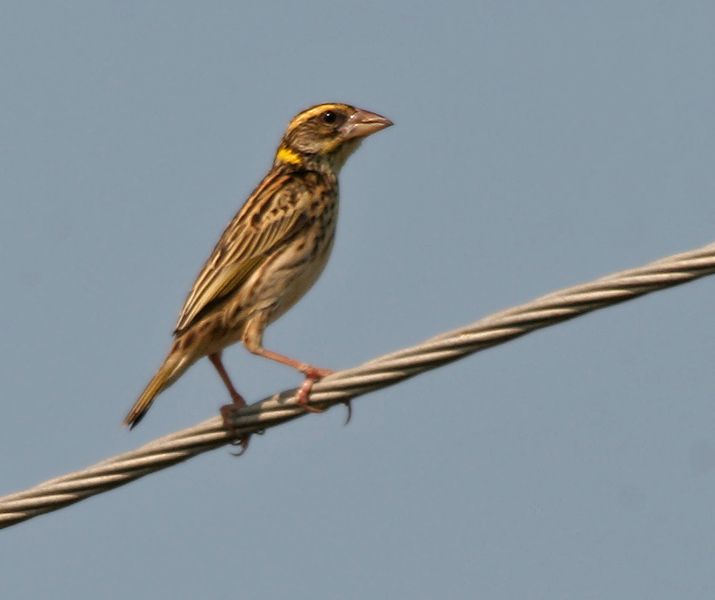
(343, 386)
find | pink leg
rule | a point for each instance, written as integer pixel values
(253, 340)
(312, 374)
(228, 411)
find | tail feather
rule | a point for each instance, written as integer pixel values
(167, 374)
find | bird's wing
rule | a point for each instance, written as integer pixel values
(248, 239)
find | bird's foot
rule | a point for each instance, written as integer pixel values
(312, 374)
(228, 414)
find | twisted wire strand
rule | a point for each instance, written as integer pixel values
(340, 387)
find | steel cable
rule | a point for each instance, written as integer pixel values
(340, 387)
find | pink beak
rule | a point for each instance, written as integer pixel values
(363, 123)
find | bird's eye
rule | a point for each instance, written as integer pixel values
(329, 117)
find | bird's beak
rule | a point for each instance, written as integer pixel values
(363, 123)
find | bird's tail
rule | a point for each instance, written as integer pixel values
(173, 367)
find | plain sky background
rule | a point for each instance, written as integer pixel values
(536, 145)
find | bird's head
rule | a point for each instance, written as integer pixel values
(327, 134)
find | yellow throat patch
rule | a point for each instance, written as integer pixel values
(287, 155)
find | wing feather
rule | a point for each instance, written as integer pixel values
(248, 239)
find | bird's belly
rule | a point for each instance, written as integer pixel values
(288, 275)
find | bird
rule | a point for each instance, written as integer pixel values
(270, 254)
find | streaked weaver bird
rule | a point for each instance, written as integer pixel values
(269, 255)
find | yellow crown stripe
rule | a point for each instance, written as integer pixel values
(314, 111)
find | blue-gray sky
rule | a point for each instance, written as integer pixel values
(536, 145)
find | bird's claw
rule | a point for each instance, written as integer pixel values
(303, 396)
(228, 413)
(312, 374)
(349, 406)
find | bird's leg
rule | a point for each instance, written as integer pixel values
(253, 341)
(238, 400)
(228, 411)
(312, 374)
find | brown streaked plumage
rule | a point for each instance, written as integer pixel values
(270, 254)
